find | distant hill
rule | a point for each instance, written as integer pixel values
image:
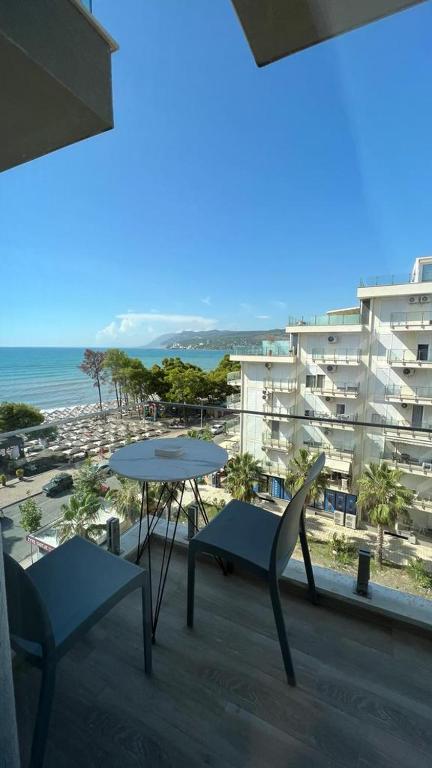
(213, 339)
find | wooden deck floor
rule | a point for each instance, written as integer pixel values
(218, 695)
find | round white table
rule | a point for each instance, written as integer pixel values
(172, 462)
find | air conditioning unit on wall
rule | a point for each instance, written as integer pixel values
(419, 299)
(331, 368)
(332, 339)
(408, 372)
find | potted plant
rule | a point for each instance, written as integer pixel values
(19, 473)
(3, 480)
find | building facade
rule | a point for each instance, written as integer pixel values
(370, 363)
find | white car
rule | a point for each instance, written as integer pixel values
(217, 429)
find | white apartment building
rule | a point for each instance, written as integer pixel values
(370, 363)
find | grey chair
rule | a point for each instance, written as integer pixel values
(261, 542)
(55, 601)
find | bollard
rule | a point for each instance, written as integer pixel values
(113, 535)
(192, 521)
(363, 573)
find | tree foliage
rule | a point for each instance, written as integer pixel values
(93, 366)
(127, 499)
(297, 472)
(242, 472)
(30, 515)
(384, 499)
(19, 416)
(80, 518)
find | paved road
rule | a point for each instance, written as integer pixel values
(14, 537)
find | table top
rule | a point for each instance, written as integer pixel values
(139, 462)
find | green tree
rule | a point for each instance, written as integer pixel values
(30, 515)
(242, 472)
(93, 366)
(127, 499)
(19, 416)
(88, 479)
(80, 518)
(115, 362)
(384, 499)
(200, 434)
(217, 384)
(137, 381)
(297, 472)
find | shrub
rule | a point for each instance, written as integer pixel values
(419, 573)
(3, 480)
(343, 550)
(19, 473)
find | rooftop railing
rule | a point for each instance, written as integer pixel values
(327, 320)
(378, 280)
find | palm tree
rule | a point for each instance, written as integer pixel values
(297, 472)
(383, 498)
(242, 472)
(127, 499)
(80, 517)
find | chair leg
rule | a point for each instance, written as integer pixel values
(307, 561)
(281, 630)
(43, 715)
(147, 625)
(191, 587)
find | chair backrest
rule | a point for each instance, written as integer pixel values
(28, 618)
(288, 530)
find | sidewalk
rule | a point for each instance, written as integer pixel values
(18, 490)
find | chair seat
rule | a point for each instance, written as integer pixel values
(240, 530)
(79, 583)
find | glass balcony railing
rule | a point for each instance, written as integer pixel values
(327, 320)
(407, 394)
(266, 349)
(378, 280)
(338, 357)
(280, 385)
(408, 357)
(87, 4)
(337, 390)
(415, 320)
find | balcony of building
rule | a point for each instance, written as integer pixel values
(343, 421)
(337, 322)
(403, 394)
(285, 386)
(56, 62)
(420, 320)
(338, 459)
(277, 412)
(410, 464)
(267, 351)
(408, 359)
(234, 401)
(276, 443)
(347, 390)
(218, 695)
(234, 378)
(331, 359)
(403, 431)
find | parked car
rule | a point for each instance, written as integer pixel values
(217, 429)
(58, 483)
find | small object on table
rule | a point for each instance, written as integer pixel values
(173, 462)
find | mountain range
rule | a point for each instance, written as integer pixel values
(213, 339)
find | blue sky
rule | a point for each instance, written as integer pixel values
(226, 196)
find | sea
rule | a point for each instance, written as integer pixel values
(49, 377)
